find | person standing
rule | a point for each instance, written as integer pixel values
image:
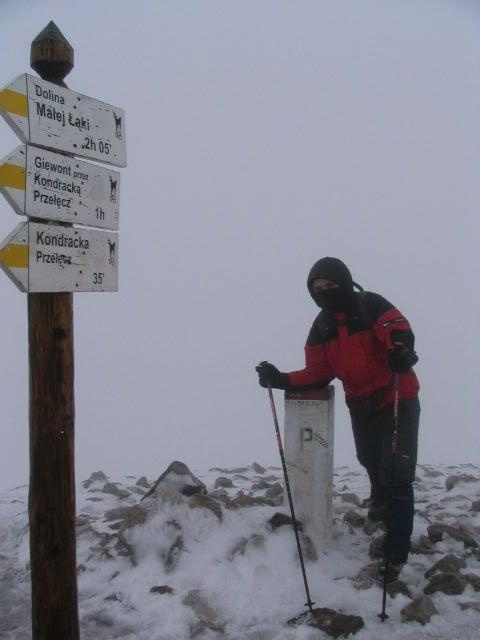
(360, 338)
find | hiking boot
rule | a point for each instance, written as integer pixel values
(393, 572)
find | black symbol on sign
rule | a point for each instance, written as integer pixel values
(113, 189)
(111, 247)
(118, 125)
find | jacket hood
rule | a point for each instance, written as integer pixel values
(331, 269)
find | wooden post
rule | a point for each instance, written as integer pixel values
(52, 419)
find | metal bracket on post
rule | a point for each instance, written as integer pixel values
(309, 419)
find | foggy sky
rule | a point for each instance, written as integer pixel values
(261, 136)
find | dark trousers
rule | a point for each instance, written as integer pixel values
(372, 431)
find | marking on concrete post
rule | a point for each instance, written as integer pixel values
(309, 455)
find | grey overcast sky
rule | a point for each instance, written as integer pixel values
(262, 135)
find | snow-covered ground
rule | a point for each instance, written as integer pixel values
(172, 567)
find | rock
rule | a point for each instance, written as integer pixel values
(366, 577)
(239, 548)
(161, 589)
(471, 534)
(397, 587)
(223, 482)
(419, 610)
(455, 498)
(243, 500)
(428, 472)
(452, 481)
(351, 498)
(354, 519)
(224, 470)
(375, 550)
(177, 477)
(143, 482)
(476, 506)
(173, 554)
(258, 468)
(83, 525)
(308, 548)
(474, 580)
(332, 622)
(423, 546)
(470, 605)
(447, 564)
(197, 600)
(262, 485)
(112, 598)
(461, 532)
(138, 490)
(199, 501)
(452, 584)
(370, 527)
(280, 520)
(113, 489)
(275, 494)
(219, 494)
(129, 516)
(97, 476)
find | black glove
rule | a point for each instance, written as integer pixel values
(401, 359)
(268, 373)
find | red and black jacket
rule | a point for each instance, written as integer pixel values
(355, 349)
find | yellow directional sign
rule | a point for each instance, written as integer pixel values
(53, 186)
(46, 257)
(14, 102)
(12, 176)
(45, 114)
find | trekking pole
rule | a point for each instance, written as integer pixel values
(309, 602)
(393, 452)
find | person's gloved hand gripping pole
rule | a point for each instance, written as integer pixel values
(269, 374)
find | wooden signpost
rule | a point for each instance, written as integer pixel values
(49, 259)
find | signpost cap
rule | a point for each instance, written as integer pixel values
(51, 55)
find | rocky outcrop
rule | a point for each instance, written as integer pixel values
(450, 583)
(177, 477)
(333, 623)
(419, 610)
(447, 564)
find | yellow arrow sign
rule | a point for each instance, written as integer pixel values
(15, 256)
(12, 176)
(14, 102)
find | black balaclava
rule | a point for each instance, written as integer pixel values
(340, 298)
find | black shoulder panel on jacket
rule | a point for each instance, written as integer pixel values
(368, 308)
(322, 330)
(376, 305)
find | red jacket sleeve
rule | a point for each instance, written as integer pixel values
(317, 371)
(391, 327)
